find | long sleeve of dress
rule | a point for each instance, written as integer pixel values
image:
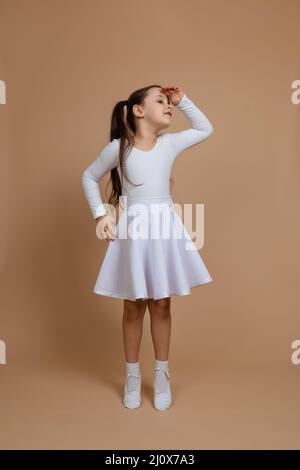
(105, 161)
(200, 129)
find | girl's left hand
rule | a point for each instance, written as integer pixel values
(175, 93)
(106, 228)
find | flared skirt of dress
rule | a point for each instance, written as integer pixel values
(151, 256)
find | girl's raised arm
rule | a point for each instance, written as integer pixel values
(105, 161)
(200, 129)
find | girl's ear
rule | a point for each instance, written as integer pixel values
(137, 110)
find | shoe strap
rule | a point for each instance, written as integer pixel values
(163, 370)
(132, 374)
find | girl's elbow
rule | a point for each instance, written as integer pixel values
(87, 176)
(210, 129)
(84, 177)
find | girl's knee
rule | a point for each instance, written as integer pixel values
(134, 309)
(160, 307)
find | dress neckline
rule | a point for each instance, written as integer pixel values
(147, 151)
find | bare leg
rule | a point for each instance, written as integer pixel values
(160, 322)
(132, 326)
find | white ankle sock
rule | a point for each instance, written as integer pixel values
(160, 378)
(133, 375)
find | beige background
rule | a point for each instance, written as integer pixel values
(65, 64)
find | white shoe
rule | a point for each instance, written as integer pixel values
(132, 398)
(162, 400)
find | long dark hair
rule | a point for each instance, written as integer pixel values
(124, 127)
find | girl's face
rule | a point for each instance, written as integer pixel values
(157, 110)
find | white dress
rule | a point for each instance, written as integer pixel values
(149, 257)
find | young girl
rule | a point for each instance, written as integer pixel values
(145, 271)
